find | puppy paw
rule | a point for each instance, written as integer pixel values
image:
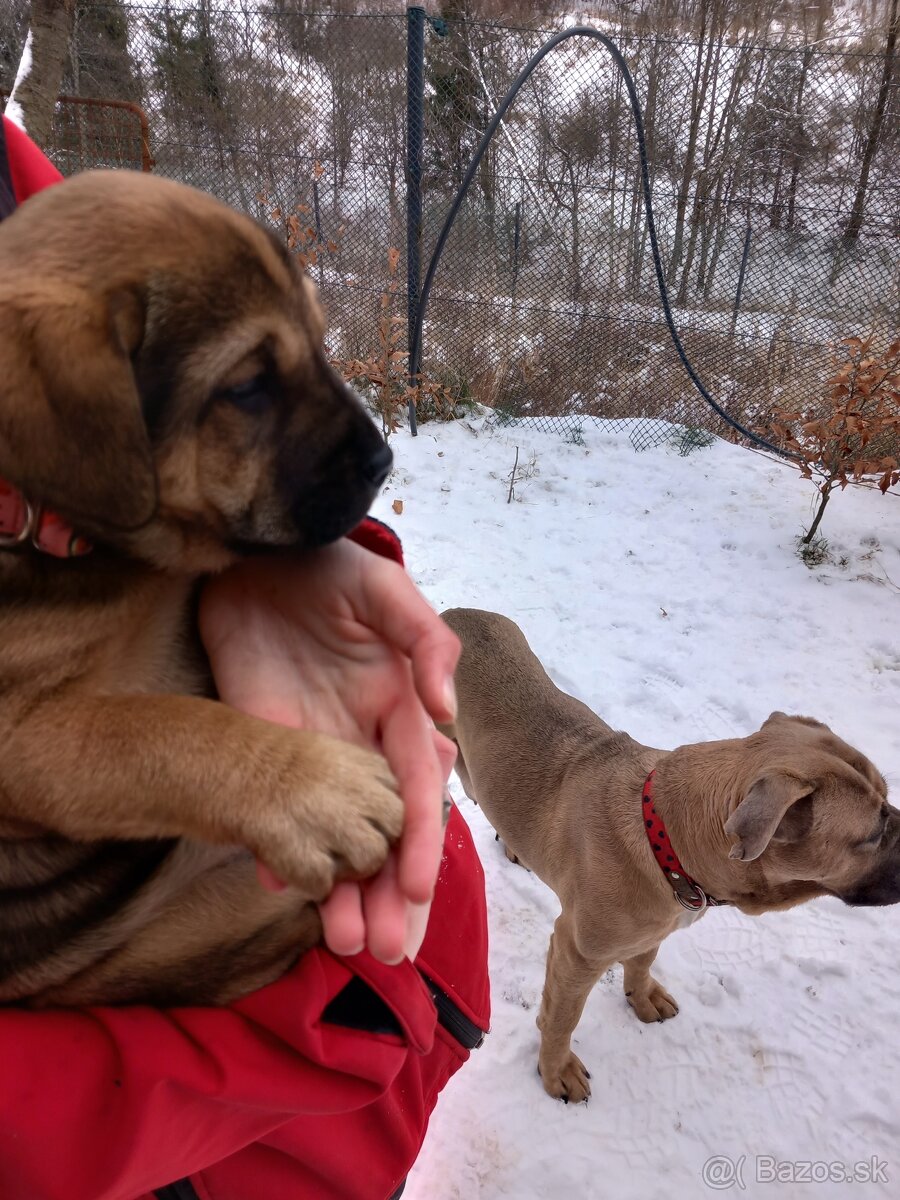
(335, 816)
(567, 1082)
(653, 1003)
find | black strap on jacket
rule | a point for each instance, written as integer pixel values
(7, 194)
(184, 1190)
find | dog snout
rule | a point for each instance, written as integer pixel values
(878, 888)
(329, 483)
(377, 469)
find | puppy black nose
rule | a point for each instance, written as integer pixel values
(377, 469)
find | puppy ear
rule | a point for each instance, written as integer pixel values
(767, 813)
(72, 435)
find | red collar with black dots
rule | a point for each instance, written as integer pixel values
(688, 891)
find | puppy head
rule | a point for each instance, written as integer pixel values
(165, 387)
(815, 810)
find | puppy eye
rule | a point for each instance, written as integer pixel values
(253, 396)
(874, 840)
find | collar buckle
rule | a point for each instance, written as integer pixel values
(694, 901)
(28, 530)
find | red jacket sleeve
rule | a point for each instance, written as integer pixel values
(108, 1103)
(31, 170)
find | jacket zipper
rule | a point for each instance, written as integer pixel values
(457, 1024)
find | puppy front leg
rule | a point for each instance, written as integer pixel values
(649, 999)
(135, 767)
(570, 977)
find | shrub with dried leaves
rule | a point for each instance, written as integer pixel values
(853, 433)
(381, 376)
(302, 231)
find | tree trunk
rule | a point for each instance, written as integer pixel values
(702, 70)
(721, 234)
(698, 219)
(856, 215)
(41, 68)
(575, 185)
(714, 218)
(825, 492)
(798, 138)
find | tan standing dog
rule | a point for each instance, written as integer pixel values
(163, 392)
(762, 822)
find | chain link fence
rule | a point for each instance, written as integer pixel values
(546, 290)
(774, 189)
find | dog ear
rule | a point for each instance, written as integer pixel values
(72, 435)
(769, 813)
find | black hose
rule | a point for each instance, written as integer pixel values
(577, 31)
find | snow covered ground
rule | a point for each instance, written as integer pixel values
(665, 592)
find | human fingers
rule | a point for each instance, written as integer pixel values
(343, 925)
(409, 743)
(397, 611)
(385, 912)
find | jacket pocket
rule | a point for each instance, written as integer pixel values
(182, 1190)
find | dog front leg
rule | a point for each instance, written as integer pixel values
(649, 999)
(570, 977)
(162, 766)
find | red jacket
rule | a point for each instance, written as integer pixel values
(318, 1087)
(29, 169)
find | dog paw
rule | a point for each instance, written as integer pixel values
(568, 1082)
(654, 1004)
(334, 817)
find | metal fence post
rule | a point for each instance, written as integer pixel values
(415, 123)
(517, 234)
(320, 240)
(740, 283)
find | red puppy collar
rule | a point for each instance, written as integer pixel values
(687, 891)
(21, 521)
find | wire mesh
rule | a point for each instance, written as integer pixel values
(546, 300)
(545, 305)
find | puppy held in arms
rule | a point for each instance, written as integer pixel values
(165, 399)
(638, 842)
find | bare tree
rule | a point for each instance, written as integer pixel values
(711, 26)
(890, 51)
(41, 67)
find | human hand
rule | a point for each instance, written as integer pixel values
(342, 642)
